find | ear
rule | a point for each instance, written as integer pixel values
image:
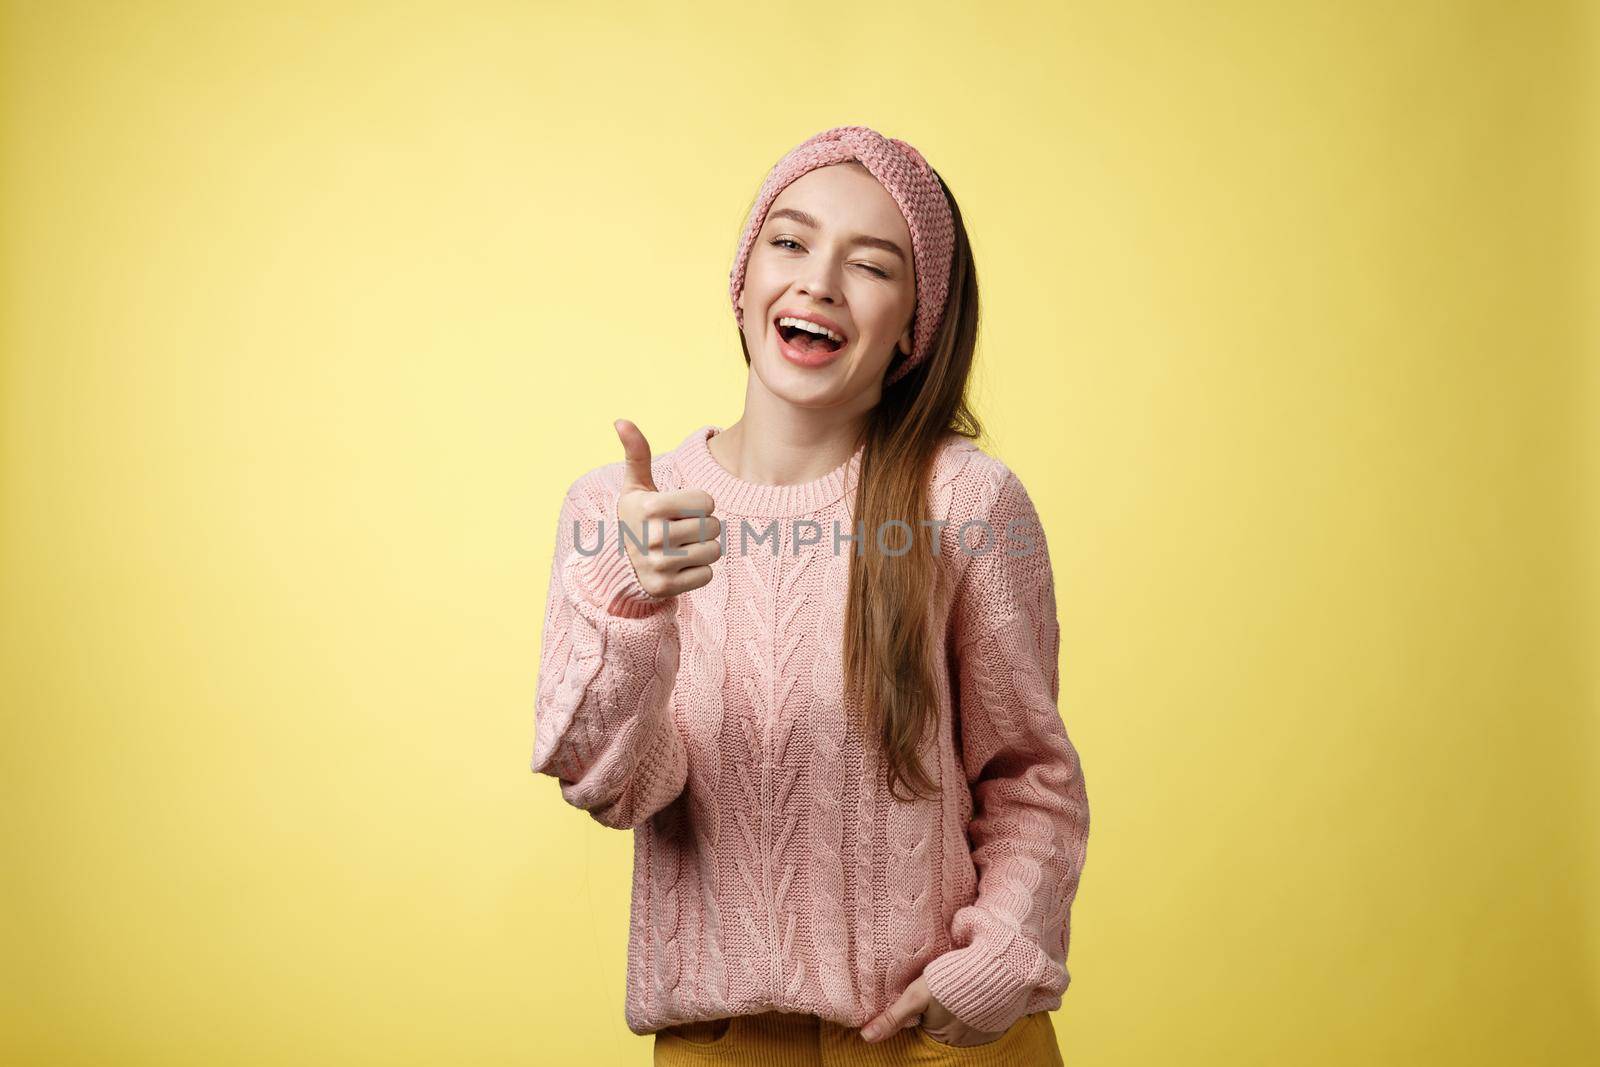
(905, 341)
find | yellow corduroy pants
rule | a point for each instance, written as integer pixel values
(787, 1039)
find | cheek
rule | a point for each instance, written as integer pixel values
(761, 286)
(763, 264)
(885, 312)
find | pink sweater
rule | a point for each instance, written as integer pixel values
(773, 870)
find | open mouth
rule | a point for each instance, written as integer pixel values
(804, 340)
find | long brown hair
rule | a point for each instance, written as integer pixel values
(890, 654)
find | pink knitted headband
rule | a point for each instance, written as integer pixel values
(901, 170)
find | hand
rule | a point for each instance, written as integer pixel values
(680, 521)
(916, 1006)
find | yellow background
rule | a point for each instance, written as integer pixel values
(311, 312)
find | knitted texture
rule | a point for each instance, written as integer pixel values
(773, 869)
(917, 191)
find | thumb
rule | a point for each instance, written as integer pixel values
(897, 1016)
(637, 452)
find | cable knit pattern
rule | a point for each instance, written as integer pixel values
(773, 869)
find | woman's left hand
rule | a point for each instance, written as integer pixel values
(917, 1006)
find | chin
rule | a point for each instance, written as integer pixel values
(799, 386)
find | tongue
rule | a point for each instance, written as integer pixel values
(807, 342)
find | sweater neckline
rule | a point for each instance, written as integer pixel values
(701, 470)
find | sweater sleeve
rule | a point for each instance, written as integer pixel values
(1031, 819)
(603, 719)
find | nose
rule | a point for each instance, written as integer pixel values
(820, 286)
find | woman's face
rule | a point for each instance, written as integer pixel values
(827, 251)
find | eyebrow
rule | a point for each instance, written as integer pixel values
(860, 238)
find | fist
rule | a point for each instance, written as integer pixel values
(671, 538)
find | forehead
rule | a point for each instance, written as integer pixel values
(845, 197)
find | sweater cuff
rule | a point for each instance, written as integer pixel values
(983, 985)
(607, 581)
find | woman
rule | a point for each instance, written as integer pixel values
(811, 660)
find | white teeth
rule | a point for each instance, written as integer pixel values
(812, 327)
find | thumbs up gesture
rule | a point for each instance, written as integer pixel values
(678, 531)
